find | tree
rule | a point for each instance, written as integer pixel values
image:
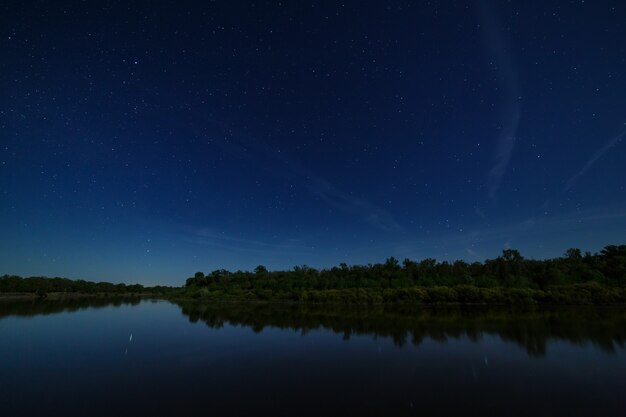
(511, 255)
(260, 270)
(573, 254)
(509, 266)
(613, 263)
(392, 263)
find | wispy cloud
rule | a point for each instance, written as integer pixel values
(480, 213)
(597, 155)
(209, 237)
(279, 161)
(500, 57)
(270, 158)
(368, 212)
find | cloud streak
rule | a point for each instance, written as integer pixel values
(377, 217)
(211, 238)
(511, 108)
(244, 146)
(594, 158)
(373, 215)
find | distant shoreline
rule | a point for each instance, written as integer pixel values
(500, 297)
(18, 296)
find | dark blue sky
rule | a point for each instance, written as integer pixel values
(143, 142)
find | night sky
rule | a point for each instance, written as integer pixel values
(144, 141)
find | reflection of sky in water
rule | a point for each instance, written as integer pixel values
(86, 360)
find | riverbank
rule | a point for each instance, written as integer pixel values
(17, 296)
(575, 294)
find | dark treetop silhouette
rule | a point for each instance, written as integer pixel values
(573, 278)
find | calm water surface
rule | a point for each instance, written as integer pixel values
(78, 358)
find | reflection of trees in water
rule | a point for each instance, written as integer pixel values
(29, 308)
(532, 329)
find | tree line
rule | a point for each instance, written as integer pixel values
(44, 285)
(574, 277)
